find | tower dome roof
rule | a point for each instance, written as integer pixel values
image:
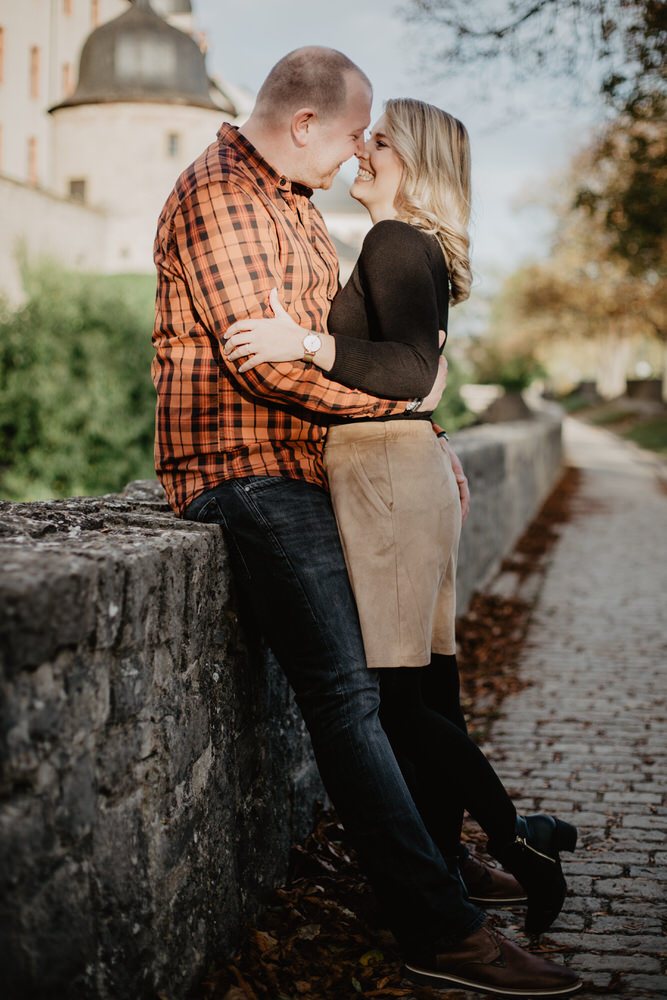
(166, 7)
(139, 57)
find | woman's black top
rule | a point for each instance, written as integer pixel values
(386, 318)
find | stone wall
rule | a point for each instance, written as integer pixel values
(33, 224)
(511, 469)
(154, 767)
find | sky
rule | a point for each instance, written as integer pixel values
(519, 139)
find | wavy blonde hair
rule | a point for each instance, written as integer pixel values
(434, 192)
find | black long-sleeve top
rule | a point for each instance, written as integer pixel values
(386, 318)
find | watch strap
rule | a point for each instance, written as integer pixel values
(414, 404)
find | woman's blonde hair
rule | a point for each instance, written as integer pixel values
(434, 192)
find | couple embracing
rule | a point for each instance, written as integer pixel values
(307, 437)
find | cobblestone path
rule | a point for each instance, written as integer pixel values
(587, 739)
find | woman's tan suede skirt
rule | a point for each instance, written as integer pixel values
(399, 517)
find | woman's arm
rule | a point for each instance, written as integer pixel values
(398, 275)
(401, 300)
(275, 339)
(281, 339)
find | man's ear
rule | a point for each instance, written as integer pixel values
(302, 121)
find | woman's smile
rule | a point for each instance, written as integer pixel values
(364, 175)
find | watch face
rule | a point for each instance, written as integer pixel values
(311, 343)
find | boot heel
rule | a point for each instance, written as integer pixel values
(566, 836)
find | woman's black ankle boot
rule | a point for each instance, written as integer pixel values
(533, 858)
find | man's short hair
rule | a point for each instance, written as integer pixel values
(312, 77)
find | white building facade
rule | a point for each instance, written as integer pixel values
(102, 104)
(40, 47)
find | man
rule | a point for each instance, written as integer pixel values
(244, 450)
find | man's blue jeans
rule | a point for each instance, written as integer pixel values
(288, 560)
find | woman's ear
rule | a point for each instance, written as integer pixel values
(302, 121)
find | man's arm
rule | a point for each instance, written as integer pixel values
(457, 469)
(228, 247)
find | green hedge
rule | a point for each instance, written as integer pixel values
(77, 405)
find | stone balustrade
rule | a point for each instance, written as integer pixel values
(154, 768)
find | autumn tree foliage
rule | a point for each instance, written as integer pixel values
(603, 285)
(624, 188)
(602, 290)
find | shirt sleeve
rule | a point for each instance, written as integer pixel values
(229, 249)
(398, 286)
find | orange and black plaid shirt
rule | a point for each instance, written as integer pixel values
(231, 230)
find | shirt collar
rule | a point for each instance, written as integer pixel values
(230, 136)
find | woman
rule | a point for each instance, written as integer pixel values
(394, 490)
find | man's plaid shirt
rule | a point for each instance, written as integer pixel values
(231, 230)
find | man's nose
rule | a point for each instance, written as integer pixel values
(360, 147)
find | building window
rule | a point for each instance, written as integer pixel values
(32, 160)
(2, 54)
(95, 12)
(67, 79)
(77, 189)
(173, 144)
(34, 71)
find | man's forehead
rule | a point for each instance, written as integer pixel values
(359, 94)
(358, 116)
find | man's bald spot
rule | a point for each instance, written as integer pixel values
(310, 77)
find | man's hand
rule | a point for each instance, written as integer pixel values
(431, 401)
(460, 476)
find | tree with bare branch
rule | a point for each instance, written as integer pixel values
(623, 41)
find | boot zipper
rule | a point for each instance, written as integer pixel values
(524, 843)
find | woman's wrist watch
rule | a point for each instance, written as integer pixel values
(311, 345)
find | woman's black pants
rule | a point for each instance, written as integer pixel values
(421, 713)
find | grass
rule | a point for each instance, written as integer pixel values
(650, 433)
(632, 422)
(612, 417)
(574, 403)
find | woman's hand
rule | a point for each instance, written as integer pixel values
(266, 339)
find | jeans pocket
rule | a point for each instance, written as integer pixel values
(206, 510)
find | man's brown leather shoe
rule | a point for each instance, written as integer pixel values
(486, 961)
(489, 885)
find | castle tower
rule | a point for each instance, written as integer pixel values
(141, 111)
